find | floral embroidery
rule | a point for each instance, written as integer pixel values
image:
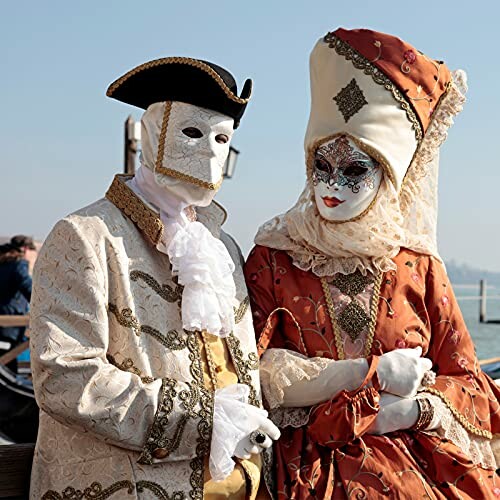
(409, 58)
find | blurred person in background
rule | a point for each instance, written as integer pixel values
(15, 288)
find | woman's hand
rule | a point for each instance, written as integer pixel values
(395, 414)
(401, 371)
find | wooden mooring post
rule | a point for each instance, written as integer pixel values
(482, 304)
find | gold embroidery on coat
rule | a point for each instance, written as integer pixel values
(243, 367)
(172, 339)
(94, 492)
(166, 292)
(160, 421)
(146, 219)
(360, 62)
(127, 365)
(240, 312)
(205, 415)
(158, 491)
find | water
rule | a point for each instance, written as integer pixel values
(486, 336)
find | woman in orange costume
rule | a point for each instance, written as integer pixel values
(367, 365)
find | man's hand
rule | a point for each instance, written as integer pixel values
(400, 371)
(395, 414)
(247, 445)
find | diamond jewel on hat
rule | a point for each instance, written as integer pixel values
(350, 100)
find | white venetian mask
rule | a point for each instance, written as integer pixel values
(345, 179)
(186, 146)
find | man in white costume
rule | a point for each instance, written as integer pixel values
(143, 352)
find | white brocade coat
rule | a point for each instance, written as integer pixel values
(124, 409)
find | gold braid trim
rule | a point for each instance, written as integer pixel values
(239, 313)
(333, 319)
(463, 421)
(189, 178)
(177, 60)
(146, 219)
(163, 135)
(360, 62)
(301, 337)
(169, 171)
(373, 313)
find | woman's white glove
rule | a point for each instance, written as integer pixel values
(400, 372)
(233, 423)
(395, 414)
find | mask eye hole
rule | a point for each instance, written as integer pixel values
(321, 165)
(221, 138)
(355, 169)
(193, 132)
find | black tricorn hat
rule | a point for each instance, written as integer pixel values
(182, 79)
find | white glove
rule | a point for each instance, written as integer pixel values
(400, 371)
(395, 414)
(246, 447)
(234, 420)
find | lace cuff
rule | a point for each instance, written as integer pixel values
(446, 426)
(281, 368)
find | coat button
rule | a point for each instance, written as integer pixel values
(160, 453)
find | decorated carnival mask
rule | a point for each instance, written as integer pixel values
(191, 109)
(186, 147)
(345, 179)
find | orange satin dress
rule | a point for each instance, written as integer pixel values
(332, 456)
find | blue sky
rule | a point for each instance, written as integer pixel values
(61, 137)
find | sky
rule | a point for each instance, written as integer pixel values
(62, 139)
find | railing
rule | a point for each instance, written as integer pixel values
(9, 321)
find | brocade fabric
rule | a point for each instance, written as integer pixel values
(125, 411)
(331, 455)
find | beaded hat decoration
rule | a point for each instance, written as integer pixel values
(377, 89)
(182, 79)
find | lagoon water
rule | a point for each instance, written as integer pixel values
(486, 336)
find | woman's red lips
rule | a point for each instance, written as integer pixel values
(331, 202)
